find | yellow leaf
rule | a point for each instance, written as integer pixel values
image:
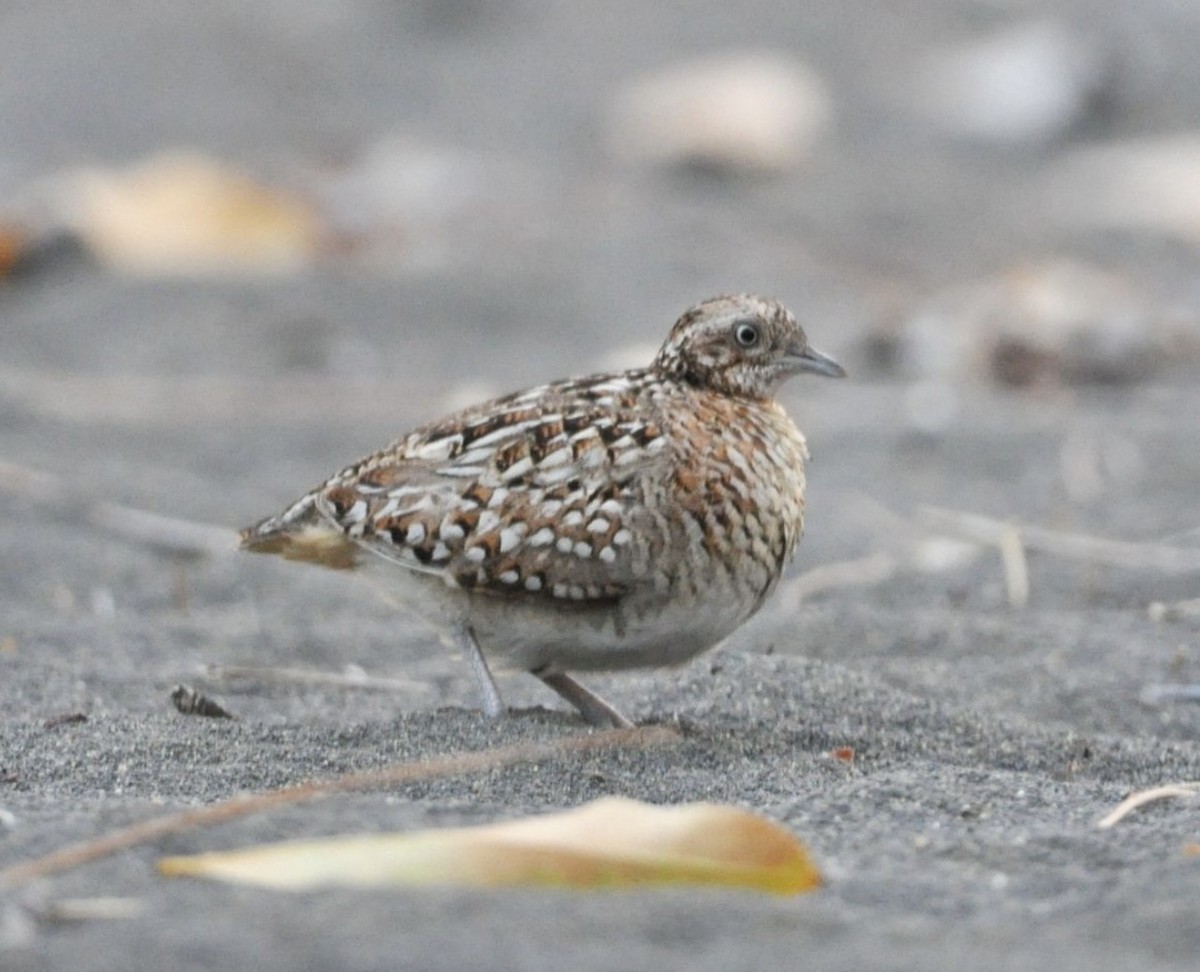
(185, 214)
(610, 843)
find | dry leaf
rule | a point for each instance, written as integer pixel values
(609, 843)
(183, 213)
(13, 245)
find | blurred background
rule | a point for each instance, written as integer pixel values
(243, 245)
(383, 189)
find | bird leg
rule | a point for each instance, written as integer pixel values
(594, 709)
(489, 694)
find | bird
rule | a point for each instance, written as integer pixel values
(621, 520)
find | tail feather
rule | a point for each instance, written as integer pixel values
(302, 533)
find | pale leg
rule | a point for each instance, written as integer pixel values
(594, 709)
(489, 694)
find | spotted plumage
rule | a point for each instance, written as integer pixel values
(613, 521)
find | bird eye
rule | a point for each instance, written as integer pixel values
(746, 335)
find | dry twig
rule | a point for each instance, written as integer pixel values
(1154, 695)
(356, 679)
(1143, 797)
(400, 774)
(1016, 568)
(108, 908)
(168, 534)
(179, 401)
(1075, 546)
(863, 572)
(1160, 611)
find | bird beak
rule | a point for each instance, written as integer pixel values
(810, 359)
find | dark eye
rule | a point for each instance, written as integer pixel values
(745, 334)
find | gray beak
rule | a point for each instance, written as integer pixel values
(810, 359)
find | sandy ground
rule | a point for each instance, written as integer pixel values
(988, 739)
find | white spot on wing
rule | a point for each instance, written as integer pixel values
(474, 456)
(506, 432)
(593, 458)
(552, 477)
(461, 472)
(556, 458)
(401, 493)
(388, 508)
(437, 450)
(517, 469)
(450, 532)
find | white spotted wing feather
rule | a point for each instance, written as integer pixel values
(535, 494)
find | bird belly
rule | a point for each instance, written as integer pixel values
(599, 638)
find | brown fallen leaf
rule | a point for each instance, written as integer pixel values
(13, 245)
(182, 213)
(610, 843)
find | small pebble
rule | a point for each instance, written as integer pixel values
(191, 702)
(1031, 81)
(733, 113)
